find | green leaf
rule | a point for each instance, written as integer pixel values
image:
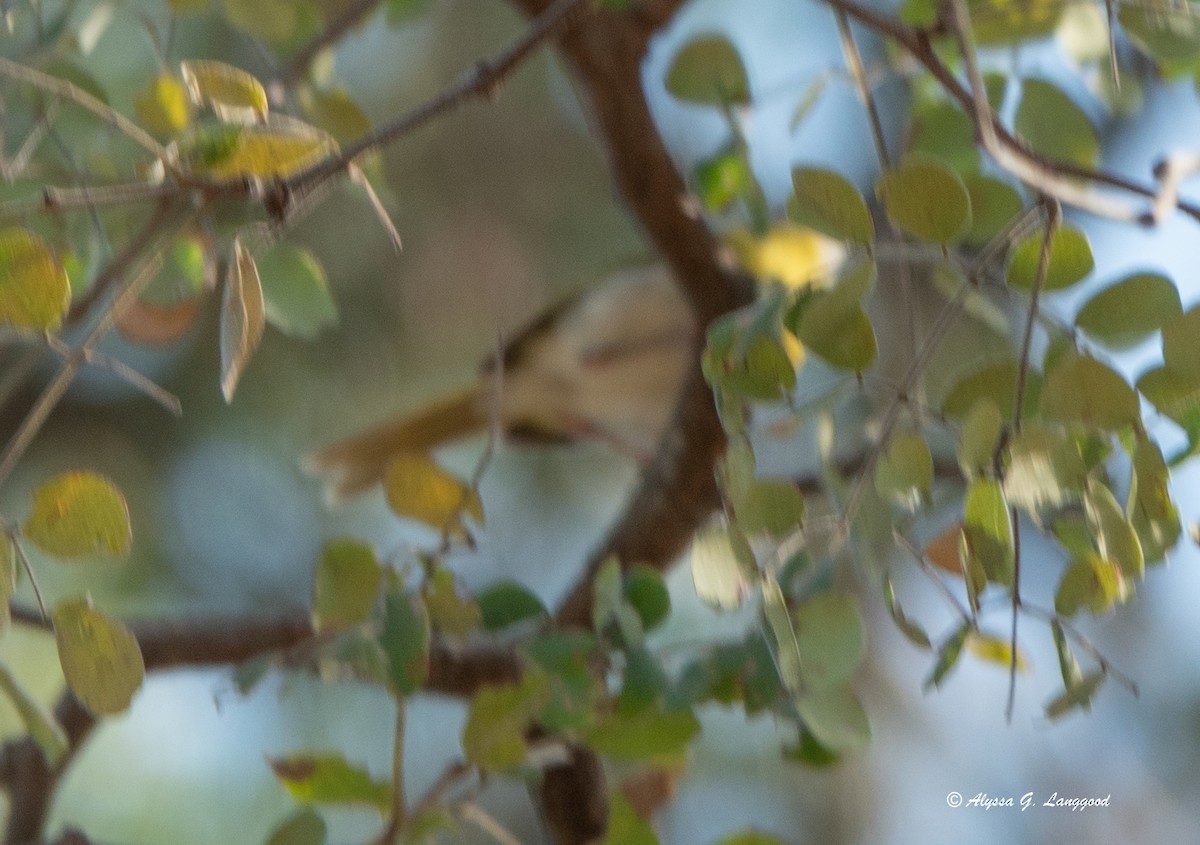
(997, 382)
(829, 633)
(610, 610)
(994, 204)
(303, 827)
(1014, 21)
(1067, 664)
(329, 779)
(943, 130)
(904, 474)
(335, 112)
(1116, 539)
(1168, 33)
(417, 488)
(927, 199)
(346, 585)
(810, 752)
(979, 437)
(1082, 390)
(499, 716)
(911, 630)
(234, 95)
(1090, 582)
(948, 654)
(709, 71)
(652, 735)
(507, 603)
(1154, 515)
(646, 592)
(625, 826)
(295, 292)
(644, 683)
(1070, 259)
(836, 718)
(402, 11)
(1181, 344)
(773, 507)
(79, 514)
(51, 739)
(449, 612)
(1127, 312)
(835, 327)
(785, 647)
(242, 318)
(8, 579)
(100, 658)
(34, 289)
(1077, 697)
(405, 640)
(987, 527)
(829, 203)
(1050, 122)
(279, 149)
(1175, 396)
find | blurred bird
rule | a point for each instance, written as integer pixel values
(608, 364)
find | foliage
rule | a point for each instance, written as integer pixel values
(200, 183)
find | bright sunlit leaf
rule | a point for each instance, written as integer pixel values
(417, 488)
(162, 106)
(34, 290)
(234, 95)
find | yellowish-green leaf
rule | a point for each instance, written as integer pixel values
(648, 734)
(100, 658)
(836, 718)
(417, 488)
(1130, 310)
(997, 382)
(829, 634)
(1168, 33)
(1181, 344)
(993, 205)
(303, 827)
(498, 719)
(346, 585)
(1116, 539)
(904, 474)
(716, 572)
(271, 20)
(80, 514)
(987, 527)
(34, 289)
(449, 612)
(709, 71)
(405, 640)
(335, 112)
(1050, 122)
(234, 95)
(911, 630)
(795, 256)
(1154, 515)
(276, 150)
(927, 199)
(242, 318)
(826, 201)
(979, 438)
(1090, 582)
(295, 292)
(162, 106)
(835, 327)
(995, 650)
(1082, 390)
(51, 739)
(625, 826)
(330, 779)
(1070, 259)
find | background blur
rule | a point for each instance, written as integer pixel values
(504, 208)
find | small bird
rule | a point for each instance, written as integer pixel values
(607, 364)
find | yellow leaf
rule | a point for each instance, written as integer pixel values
(793, 255)
(242, 318)
(995, 650)
(275, 150)
(163, 106)
(79, 514)
(235, 96)
(100, 658)
(34, 290)
(418, 488)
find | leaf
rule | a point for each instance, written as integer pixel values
(829, 633)
(329, 779)
(273, 21)
(234, 95)
(1091, 582)
(242, 318)
(993, 205)
(335, 112)
(996, 650)
(948, 654)
(303, 827)
(835, 327)
(625, 826)
(987, 527)
(979, 438)
(449, 612)
(644, 683)
(508, 603)
(34, 289)
(1045, 470)
(1076, 697)
(1070, 259)
(276, 150)
(1181, 344)
(162, 106)
(661, 737)
(943, 130)
(997, 382)
(100, 658)
(785, 648)
(1154, 515)
(1175, 396)
(1067, 664)
(944, 550)
(79, 514)
(723, 179)
(149, 324)
(646, 592)
(49, 736)
(296, 293)
(499, 716)
(1014, 21)
(417, 488)
(1082, 390)
(826, 201)
(405, 639)
(751, 837)
(772, 507)
(795, 256)
(836, 718)
(1050, 122)
(911, 630)
(1165, 32)
(1116, 539)
(346, 586)
(1127, 312)
(709, 71)
(402, 11)
(717, 573)
(904, 474)
(927, 199)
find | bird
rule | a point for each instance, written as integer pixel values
(606, 364)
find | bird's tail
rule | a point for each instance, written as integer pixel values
(352, 466)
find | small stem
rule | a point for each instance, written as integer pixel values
(28, 567)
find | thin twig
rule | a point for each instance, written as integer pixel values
(347, 19)
(1083, 642)
(33, 582)
(399, 815)
(927, 567)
